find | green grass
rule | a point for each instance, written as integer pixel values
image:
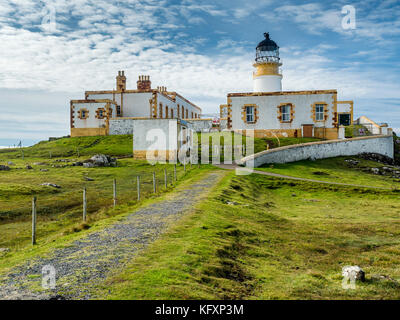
(60, 210)
(51, 237)
(258, 237)
(235, 139)
(120, 145)
(335, 170)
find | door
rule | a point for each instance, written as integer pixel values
(344, 119)
(307, 130)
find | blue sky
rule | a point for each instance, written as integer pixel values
(202, 49)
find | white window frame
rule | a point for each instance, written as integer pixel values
(250, 115)
(319, 115)
(285, 112)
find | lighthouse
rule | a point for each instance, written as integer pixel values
(267, 77)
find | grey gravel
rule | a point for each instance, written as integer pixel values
(84, 264)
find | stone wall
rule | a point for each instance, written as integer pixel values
(323, 149)
(201, 125)
(121, 126)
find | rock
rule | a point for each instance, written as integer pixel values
(77, 164)
(88, 165)
(375, 170)
(353, 273)
(352, 162)
(88, 179)
(376, 157)
(4, 168)
(4, 250)
(51, 185)
(39, 163)
(29, 167)
(294, 195)
(100, 160)
(10, 163)
(44, 170)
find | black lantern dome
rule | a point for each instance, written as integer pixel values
(267, 50)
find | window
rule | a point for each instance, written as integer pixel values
(192, 115)
(83, 114)
(161, 115)
(285, 110)
(319, 112)
(166, 111)
(183, 112)
(179, 110)
(101, 113)
(118, 111)
(172, 113)
(250, 114)
(187, 114)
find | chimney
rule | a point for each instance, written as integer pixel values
(121, 81)
(144, 83)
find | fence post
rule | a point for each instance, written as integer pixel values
(175, 173)
(154, 183)
(165, 178)
(34, 221)
(138, 188)
(115, 192)
(84, 205)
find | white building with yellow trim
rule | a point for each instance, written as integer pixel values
(115, 111)
(269, 111)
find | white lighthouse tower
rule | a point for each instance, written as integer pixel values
(267, 77)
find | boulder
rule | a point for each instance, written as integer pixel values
(375, 170)
(100, 160)
(88, 179)
(88, 165)
(353, 273)
(376, 157)
(47, 184)
(39, 163)
(44, 170)
(4, 250)
(4, 168)
(29, 167)
(10, 163)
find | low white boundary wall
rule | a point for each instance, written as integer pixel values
(322, 149)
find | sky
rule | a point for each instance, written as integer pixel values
(52, 51)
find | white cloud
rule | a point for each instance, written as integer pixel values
(100, 38)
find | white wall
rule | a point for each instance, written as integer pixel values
(267, 83)
(91, 121)
(189, 107)
(344, 107)
(320, 150)
(268, 111)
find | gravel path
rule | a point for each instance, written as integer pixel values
(86, 262)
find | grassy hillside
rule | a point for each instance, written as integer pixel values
(60, 210)
(263, 238)
(234, 139)
(121, 145)
(336, 170)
